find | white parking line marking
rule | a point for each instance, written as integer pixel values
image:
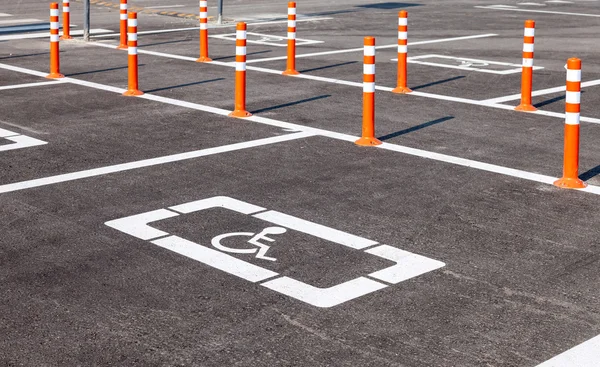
(539, 11)
(540, 92)
(287, 125)
(408, 265)
(148, 162)
(266, 39)
(395, 45)
(159, 31)
(19, 141)
(164, 6)
(47, 34)
(29, 85)
(19, 21)
(586, 354)
(5, 15)
(468, 64)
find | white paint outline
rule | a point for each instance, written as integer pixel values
(586, 354)
(492, 7)
(408, 265)
(361, 49)
(18, 141)
(515, 68)
(94, 32)
(30, 85)
(283, 39)
(531, 176)
(540, 92)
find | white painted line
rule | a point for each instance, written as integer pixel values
(216, 259)
(29, 85)
(164, 6)
(159, 31)
(361, 49)
(21, 141)
(5, 15)
(6, 133)
(586, 354)
(148, 162)
(469, 64)
(266, 39)
(408, 265)
(47, 34)
(540, 11)
(286, 125)
(531, 4)
(540, 92)
(324, 297)
(137, 225)
(317, 230)
(19, 21)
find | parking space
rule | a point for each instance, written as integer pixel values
(156, 230)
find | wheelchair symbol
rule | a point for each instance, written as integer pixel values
(260, 250)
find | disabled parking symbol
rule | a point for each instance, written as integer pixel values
(219, 256)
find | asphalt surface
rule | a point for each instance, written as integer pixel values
(520, 276)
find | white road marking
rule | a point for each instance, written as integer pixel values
(471, 64)
(317, 230)
(287, 125)
(540, 92)
(531, 4)
(361, 49)
(148, 162)
(19, 21)
(266, 39)
(408, 265)
(159, 31)
(29, 85)
(6, 133)
(19, 141)
(539, 11)
(47, 34)
(5, 15)
(586, 354)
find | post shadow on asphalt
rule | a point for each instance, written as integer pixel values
(26, 55)
(233, 56)
(291, 103)
(552, 100)
(588, 175)
(166, 42)
(436, 83)
(415, 128)
(328, 66)
(100, 71)
(184, 85)
(388, 5)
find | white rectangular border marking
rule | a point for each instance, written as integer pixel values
(586, 354)
(514, 68)
(299, 41)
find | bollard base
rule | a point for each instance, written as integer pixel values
(133, 93)
(122, 47)
(570, 183)
(290, 72)
(402, 90)
(524, 107)
(55, 76)
(204, 59)
(367, 142)
(66, 38)
(240, 114)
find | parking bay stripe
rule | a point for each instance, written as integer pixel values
(149, 162)
(586, 354)
(531, 176)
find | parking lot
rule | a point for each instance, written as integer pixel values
(158, 231)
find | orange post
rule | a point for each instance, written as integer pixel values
(123, 25)
(291, 43)
(570, 179)
(240, 72)
(368, 128)
(132, 57)
(54, 48)
(204, 32)
(66, 21)
(402, 53)
(527, 74)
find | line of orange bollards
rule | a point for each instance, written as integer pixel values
(128, 40)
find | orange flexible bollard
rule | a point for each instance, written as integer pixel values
(368, 128)
(123, 25)
(570, 179)
(527, 74)
(402, 53)
(132, 57)
(291, 43)
(240, 72)
(66, 21)
(204, 32)
(54, 48)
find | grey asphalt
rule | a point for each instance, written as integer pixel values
(520, 280)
